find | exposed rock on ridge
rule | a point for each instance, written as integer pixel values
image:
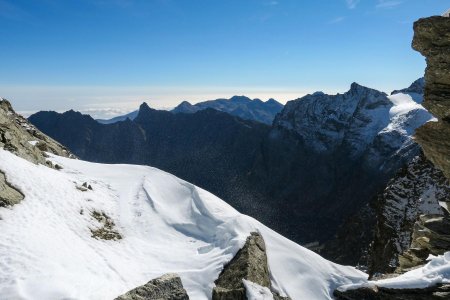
(250, 263)
(20, 137)
(9, 195)
(432, 39)
(166, 287)
(415, 190)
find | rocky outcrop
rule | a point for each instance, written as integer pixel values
(416, 190)
(431, 236)
(18, 136)
(438, 292)
(107, 230)
(166, 287)
(249, 263)
(23, 139)
(9, 195)
(432, 39)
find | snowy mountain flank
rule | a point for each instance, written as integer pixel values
(86, 231)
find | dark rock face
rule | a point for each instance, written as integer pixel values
(374, 237)
(166, 287)
(351, 245)
(416, 190)
(250, 263)
(239, 106)
(432, 39)
(438, 292)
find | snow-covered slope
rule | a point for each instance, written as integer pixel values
(167, 225)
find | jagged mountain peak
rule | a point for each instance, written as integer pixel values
(144, 106)
(327, 122)
(415, 89)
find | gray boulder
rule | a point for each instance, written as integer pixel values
(166, 287)
(249, 263)
(9, 195)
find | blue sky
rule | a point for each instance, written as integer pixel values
(105, 57)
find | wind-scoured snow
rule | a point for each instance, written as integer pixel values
(167, 226)
(436, 271)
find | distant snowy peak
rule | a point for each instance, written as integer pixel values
(325, 122)
(415, 90)
(240, 106)
(360, 121)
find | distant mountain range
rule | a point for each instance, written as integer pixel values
(239, 106)
(323, 159)
(132, 115)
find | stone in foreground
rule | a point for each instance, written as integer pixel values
(249, 263)
(166, 287)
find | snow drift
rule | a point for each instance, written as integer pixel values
(167, 225)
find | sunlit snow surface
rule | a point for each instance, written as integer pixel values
(436, 271)
(167, 224)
